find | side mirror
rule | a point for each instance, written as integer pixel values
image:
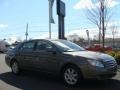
(51, 50)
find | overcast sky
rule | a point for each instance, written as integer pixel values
(16, 13)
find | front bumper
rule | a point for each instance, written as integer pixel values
(106, 73)
(99, 73)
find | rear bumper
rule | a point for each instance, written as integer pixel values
(7, 61)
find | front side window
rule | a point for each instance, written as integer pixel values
(41, 45)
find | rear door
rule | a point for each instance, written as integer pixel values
(26, 55)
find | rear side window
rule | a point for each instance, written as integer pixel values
(28, 46)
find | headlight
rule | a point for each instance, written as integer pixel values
(96, 63)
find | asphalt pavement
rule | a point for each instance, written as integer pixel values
(37, 81)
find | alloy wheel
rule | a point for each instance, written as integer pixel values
(71, 76)
(15, 67)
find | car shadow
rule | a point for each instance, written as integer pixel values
(36, 81)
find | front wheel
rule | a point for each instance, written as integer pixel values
(15, 68)
(72, 75)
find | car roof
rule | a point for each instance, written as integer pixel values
(45, 40)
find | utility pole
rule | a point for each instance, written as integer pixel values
(51, 20)
(26, 34)
(88, 36)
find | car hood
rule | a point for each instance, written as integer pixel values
(91, 55)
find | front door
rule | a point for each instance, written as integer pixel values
(47, 61)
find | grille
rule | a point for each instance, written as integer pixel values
(110, 63)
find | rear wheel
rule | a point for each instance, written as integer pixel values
(72, 75)
(15, 67)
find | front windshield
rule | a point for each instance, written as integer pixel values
(67, 46)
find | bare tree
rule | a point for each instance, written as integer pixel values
(114, 32)
(100, 15)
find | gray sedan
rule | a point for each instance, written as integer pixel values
(61, 57)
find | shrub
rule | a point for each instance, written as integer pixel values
(111, 53)
(116, 55)
(117, 58)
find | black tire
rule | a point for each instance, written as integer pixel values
(76, 79)
(15, 67)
